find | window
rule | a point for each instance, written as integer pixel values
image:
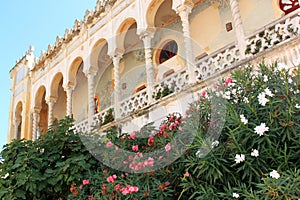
(168, 51)
(288, 6)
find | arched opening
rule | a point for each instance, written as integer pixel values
(41, 105)
(132, 65)
(104, 79)
(57, 92)
(80, 93)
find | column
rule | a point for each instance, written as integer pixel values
(183, 11)
(16, 124)
(69, 91)
(147, 36)
(238, 24)
(50, 101)
(91, 87)
(35, 124)
(116, 57)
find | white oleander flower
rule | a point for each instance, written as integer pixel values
(239, 158)
(274, 174)
(268, 92)
(243, 119)
(236, 195)
(214, 143)
(262, 99)
(297, 106)
(254, 153)
(261, 129)
(266, 78)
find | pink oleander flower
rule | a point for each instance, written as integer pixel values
(132, 135)
(187, 174)
(111, 179)
(149, 162)
(168, 147)
(85, 182)
(228, 81)
(129, 189)
(81, 186)
(150, 141)
(135, 148)
(204, 93)
(109, 144)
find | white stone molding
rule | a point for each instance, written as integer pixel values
(183, 11)
(238, 24)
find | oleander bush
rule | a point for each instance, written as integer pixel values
(239, 140)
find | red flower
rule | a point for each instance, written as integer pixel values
(168, 147)
(150, 141)
(112, 178)
(228, 81)
(135, 148)
(109, 144)
(85, 182)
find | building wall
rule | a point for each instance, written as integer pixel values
(92, 41)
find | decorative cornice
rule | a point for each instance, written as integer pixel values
(91, 17)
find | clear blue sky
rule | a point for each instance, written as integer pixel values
(31, 22)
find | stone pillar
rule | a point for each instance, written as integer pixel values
(16, 125)
(238, 24)
(50, 101)
(69, 91)
(91, 87)
(147, 37)
(183, 11)
(35, 124)
(116, 57)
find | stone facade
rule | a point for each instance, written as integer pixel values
(144, 59)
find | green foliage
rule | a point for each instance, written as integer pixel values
(245, 144)
(46, 168)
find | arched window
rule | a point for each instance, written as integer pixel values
(168, 51)
(288, 6)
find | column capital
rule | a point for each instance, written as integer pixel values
(92, 70)
(116, 53)
(36, 110)
(147, 33)
(69, 86)
(186, 7)
(50, 100)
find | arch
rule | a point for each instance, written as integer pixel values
(40, 104)
(77, 62)
(55, 83)
(123, 31)
(79, 94)
(151, 12)
(39, 95)
(98, 46)
(160, 13)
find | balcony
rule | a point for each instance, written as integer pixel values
(266, 43)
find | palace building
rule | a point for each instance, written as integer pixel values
(134, 61)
